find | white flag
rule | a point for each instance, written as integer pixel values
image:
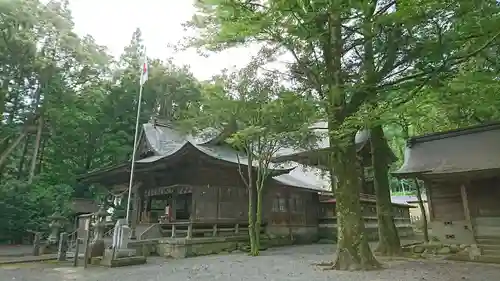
(144, 71)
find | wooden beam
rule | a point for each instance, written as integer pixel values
(465, 202)
(467, 213)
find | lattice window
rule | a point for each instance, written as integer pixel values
(279, 204)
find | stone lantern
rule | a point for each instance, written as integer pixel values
(55, 226)
(97, 245)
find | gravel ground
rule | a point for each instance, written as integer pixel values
(290, 263)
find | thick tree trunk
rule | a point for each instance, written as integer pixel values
(389, 243)
(20, 169)
(425, 228)
(5, 154)
(353, 251)
(36, 148)
(252, 206)
(258, 220)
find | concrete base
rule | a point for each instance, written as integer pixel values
(144, 247)
(136, 260)
(299, 234)
(120, 253)
(330, 233)
(183, 248)
(480, 259)
(123, 257)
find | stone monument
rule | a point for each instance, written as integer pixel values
(118, 234)
(119, 255)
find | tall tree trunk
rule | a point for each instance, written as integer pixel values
(36, 149)
(5, 154)
(20, 168)
(258, 220)
(389, 243)
(353, 251)
(425, 228)
(40, 159)
(3, 94)
(252, 206)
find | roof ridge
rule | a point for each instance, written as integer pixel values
(494, 125)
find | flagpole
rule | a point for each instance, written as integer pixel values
(132, 165)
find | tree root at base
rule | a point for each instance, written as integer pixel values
(346, 262)
(388, 251)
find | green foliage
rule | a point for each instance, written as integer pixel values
(87, 101)
(267, 116)
(26, 207)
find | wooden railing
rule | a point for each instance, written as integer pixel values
(370, 221)
(204, 229)
(152, 232)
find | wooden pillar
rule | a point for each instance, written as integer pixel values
(174, 206)
(140, 207)
(217, 197)
(288, 213)
(135, 211)
(146, 205)
(192, 215)
(465, 202)
(428, 195)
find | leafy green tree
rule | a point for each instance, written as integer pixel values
(267, 117)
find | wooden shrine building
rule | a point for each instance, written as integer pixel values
(461, 172)
(200, 178)
(327, 212)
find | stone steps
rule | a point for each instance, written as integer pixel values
(489, 245)
(488, 240)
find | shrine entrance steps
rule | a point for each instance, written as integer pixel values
(489, 245)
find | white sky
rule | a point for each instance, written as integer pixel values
(112, 22)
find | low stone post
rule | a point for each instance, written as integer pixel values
(63, 246)
(237, 228)
(36, 243)
(173, 231)
(190, 231)
(77, 249)
(214, 230)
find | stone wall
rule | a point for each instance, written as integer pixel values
(183, 248)
(329, 232)
(299, 234)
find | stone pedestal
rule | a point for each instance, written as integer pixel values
(124, 257)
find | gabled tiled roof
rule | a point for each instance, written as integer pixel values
(471, 149)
